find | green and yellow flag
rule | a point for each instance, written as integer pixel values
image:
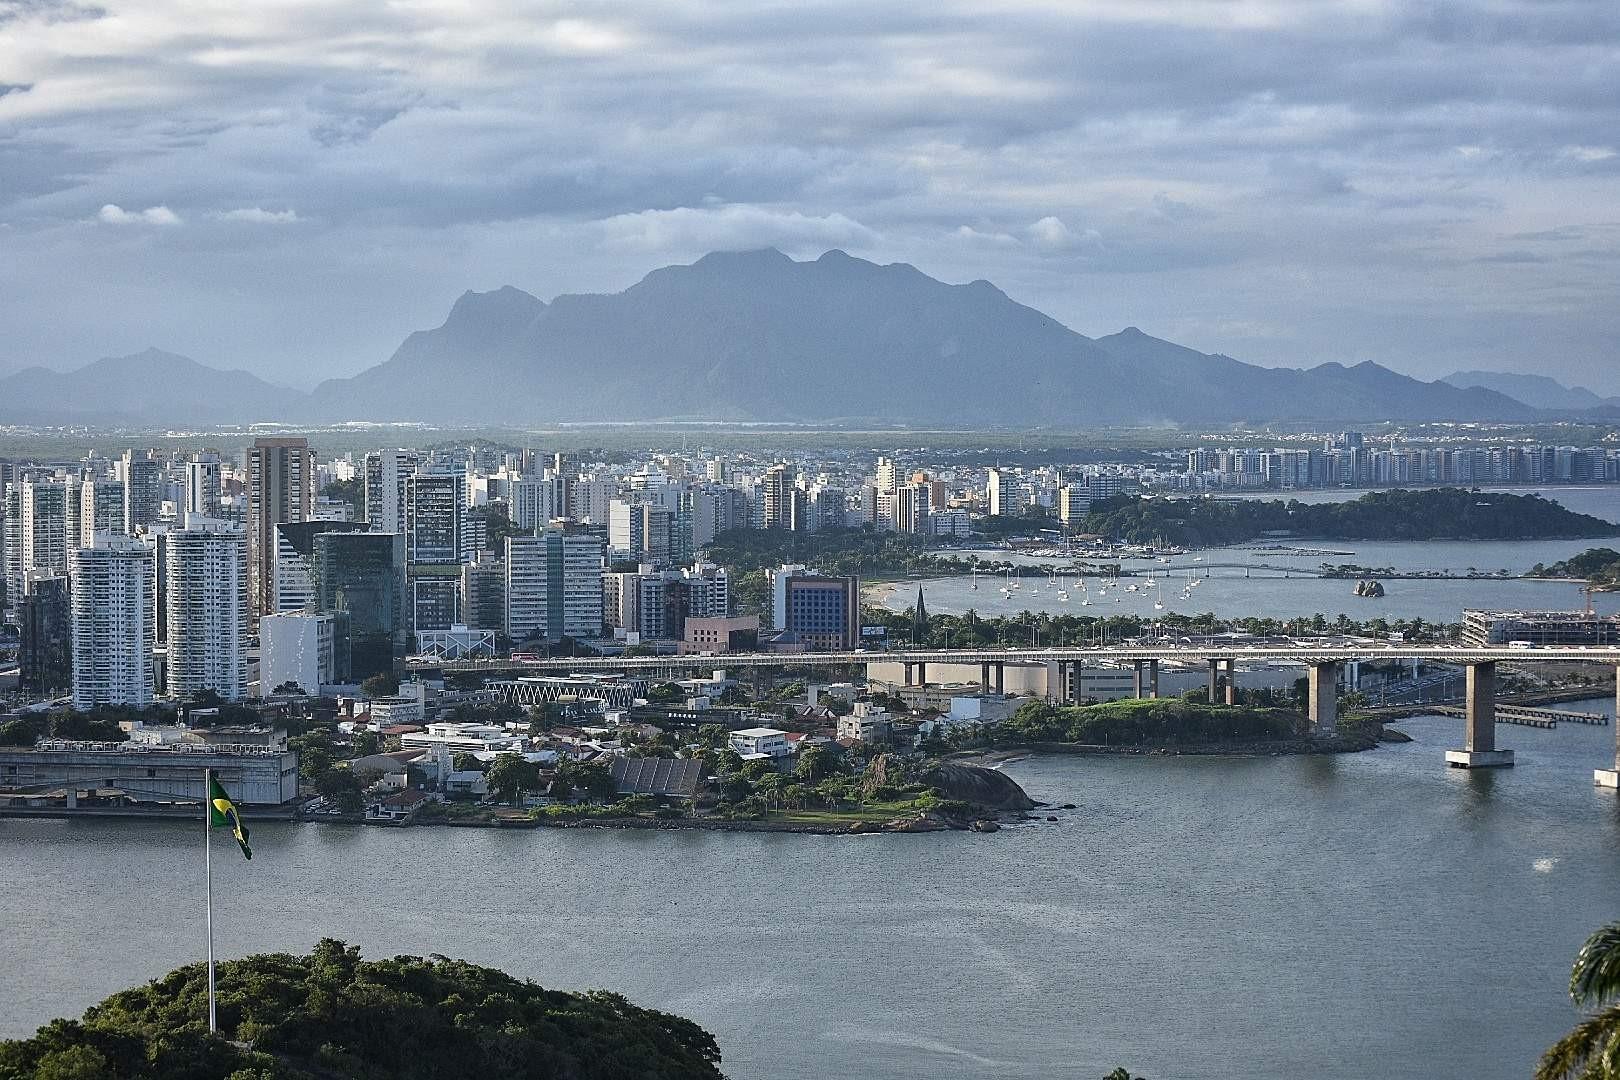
(222, 814)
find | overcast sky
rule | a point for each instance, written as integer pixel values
(291, 187)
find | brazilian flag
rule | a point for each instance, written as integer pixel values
(222, 814)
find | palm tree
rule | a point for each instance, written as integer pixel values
(1592, 1050)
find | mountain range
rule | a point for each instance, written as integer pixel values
(757, 336)
(1537, 391)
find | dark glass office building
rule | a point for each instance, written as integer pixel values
(362, 574)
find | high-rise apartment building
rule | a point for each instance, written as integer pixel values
(142, 474)
(280, 488)
(207, 609)
(1005, 493)
(554, 584)
(435, 509)
(112, 623)
(385, 475)
(44, 537)
(101, 509)
(204, 473)
(784, 499)
(483, 594)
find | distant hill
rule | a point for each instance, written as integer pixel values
(151, 387)
(757, 336)
(1538, 391)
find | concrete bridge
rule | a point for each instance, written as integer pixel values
(1322, 664)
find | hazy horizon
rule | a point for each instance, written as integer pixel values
(293, 189)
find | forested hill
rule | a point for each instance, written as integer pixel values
(331, 1016)
(1423, 514)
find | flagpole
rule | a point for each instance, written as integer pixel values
(208, 887)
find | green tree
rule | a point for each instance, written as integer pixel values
(594, 780)
(815, 763)
(382, 684)
(510, 775)
(342, 788)
(1591, 1051)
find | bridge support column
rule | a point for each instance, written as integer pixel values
(1231, 682)
(909, 675)
(1001, 680)
(1153, 678)
(922, 674)
(1479, 724)
(1214, 681)
(1065, 686)
(1137, 682)
(1610, 778)
(984, 678)
(1322, 704)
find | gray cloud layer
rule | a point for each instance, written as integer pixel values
(291, 186)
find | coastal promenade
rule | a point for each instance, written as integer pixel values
(1322, 665)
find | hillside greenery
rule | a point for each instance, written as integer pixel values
(332, 1016)
(1148, 722)
(1600, 566)
(1424, 514)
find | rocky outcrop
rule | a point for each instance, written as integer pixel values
(978, 786)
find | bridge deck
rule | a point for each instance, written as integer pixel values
(1300, 654)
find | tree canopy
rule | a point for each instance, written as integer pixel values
(1402, 514)
(332, 1016)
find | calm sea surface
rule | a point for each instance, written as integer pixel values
(1239, 583)
(1369, 915)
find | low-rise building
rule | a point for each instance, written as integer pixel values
(753, 744)
(471, 738)
(396, 709)
(169, 772)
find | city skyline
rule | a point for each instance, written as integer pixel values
(1286, 184)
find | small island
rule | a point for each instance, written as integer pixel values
(1598, 567)
(332, 1016)
(1403, 514)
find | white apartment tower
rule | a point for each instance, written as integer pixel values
(385, 473)
(206, 608)
(112, 623)
(203, 475)
(554, 585)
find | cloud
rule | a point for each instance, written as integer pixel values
(734, 227)
(258, 215)
(113, 214)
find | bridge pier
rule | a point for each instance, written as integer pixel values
(1231, 682)
(1214, 681)
(1137, 681)
(1322, 697)
(984, 678)
(1479, 723)
(1001, 679)
(1610, 778)
(1153, 678)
